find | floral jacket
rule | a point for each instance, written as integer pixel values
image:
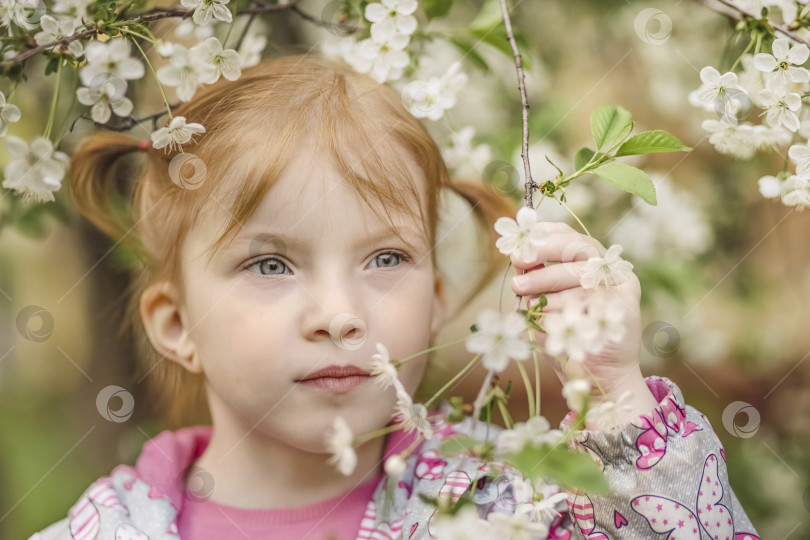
(666, 471)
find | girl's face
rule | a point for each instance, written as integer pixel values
(313, 280)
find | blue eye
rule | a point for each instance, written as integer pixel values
(389, 259)
(269, 266)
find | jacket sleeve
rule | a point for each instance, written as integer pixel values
(56, 531)
(667, 474)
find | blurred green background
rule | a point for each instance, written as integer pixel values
(724, 272)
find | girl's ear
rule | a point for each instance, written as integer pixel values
(164, 323)
(439, 306)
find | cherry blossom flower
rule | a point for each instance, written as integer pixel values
(382, 56)
(781, 107)
(111, 58)
(520, 235)
(339, 444)
(58, 29)
(608, 317)
(498, 339)
(575, 391)
(382, 369)
(16, 11)
(534, 432)
(800, 155)
(462, 157)
(609, 269)
(412, 416)
(610, 413)
(176, 134)
(545, 510)
(35, 171)
(796, 192)
(101, 99)
(569, 331)
(463, 525)
(770, 187)
(714, 87)
(186, 71)
(224, 62)
(517, 526)
(76, 9)
(8, 113)
(395, 466)
(188, 28)
(252, 47)
(205, 9)
(737, 140)
(784, 65)
(399, 12)
(429, 99)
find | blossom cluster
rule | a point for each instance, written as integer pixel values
(776, 83)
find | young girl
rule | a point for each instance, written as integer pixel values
(276, 250)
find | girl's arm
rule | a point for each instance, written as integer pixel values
(667, 472)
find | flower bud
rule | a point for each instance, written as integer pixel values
(395, 467)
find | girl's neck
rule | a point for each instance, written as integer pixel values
(252, 470)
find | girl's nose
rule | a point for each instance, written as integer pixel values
(348, 331)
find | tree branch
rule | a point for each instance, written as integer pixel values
(737, 13)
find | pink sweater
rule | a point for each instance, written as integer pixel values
(166, 456)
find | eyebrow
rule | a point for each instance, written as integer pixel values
(280, 241)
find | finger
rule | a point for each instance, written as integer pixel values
(562, 247)
(543, 279)
(556, 301)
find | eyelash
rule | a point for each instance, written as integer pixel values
(403, 259)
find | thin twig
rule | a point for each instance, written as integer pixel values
(740, 14)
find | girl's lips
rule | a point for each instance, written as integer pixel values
(336, 384)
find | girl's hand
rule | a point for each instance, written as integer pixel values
(555, 271)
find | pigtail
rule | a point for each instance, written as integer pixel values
(92, 175)
(487, 207)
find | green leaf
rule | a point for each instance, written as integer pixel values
(651, 142)
(583, 156)
(468, 50)
(436, 8)
(568, 468)
(496, 37)
(630, 179)
(610, 124)
(488, 16)
(458, 445)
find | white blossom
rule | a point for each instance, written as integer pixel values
(412, 416)
(382, 56)
(186, 72)
(398, 12)
(800, 155)
(430, 98)
(17, 12)
(466, 160)
(176, 134)
(110, 58)
(784, 65)
(569, 331)
(520, 235)
(76, 9)
(383, 371)
(609, 269)
(35, 171)
(610, 413)
(205, 9)
(395, 466)
(737, 140)
(250, 52)
(225, 63)
(715, 88)
(575, 391)
(545, 510)
(781, 107)
(465, 524)
(339, 444)
(770, 187)
(608, 317)
(58, 29)
(188, 28)
(534, 432)
(103, 98)
(8, 113)
(774, 138)
(517, 526)
(499, 339)
(796, 192)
